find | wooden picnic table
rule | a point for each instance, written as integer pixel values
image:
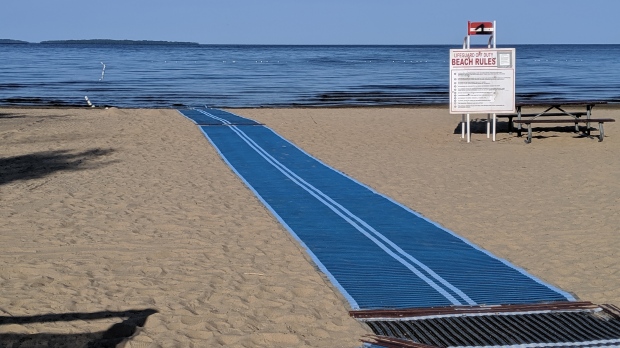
(552, 108)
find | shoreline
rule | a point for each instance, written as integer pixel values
(606, 105)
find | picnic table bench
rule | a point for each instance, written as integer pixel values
(576, 121)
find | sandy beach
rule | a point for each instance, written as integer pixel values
(123, 226)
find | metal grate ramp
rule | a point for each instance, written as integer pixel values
(568, 324)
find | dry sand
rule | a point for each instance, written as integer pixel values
(106, 211)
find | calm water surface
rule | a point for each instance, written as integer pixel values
(252, 76)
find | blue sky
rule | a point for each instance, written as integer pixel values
(311, 22)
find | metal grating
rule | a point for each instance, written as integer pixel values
(586, 327)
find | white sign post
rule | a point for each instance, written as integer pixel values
(482, 80)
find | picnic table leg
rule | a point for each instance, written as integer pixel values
(529, 133)
(577, 124)
(601, 131)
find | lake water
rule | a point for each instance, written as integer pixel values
(153, 76)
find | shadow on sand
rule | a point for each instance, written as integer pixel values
(40, 164)
(479, 126)
(115, 334)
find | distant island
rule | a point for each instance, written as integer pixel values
(9, 41)
(118, 42)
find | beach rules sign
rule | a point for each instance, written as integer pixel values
(482, 81)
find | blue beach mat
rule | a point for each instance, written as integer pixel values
(377, 252)
(215, 117)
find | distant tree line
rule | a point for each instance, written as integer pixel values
(9, 41)
(104, 42)
(120, 42)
